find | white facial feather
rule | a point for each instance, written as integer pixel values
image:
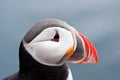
(50, 52)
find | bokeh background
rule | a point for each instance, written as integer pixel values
(99, 20)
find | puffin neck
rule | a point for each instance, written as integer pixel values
(28, 65)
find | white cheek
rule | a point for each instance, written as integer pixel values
(66, 39)
(47, 52)
(44, 35)
(50, 52)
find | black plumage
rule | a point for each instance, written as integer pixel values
(30, 69)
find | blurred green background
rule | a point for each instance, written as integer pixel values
(99, 20)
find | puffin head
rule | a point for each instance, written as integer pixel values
(52, 42)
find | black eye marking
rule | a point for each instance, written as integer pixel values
(56, 37)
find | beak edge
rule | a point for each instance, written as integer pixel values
(91, 53)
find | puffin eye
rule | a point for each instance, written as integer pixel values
(56, 37)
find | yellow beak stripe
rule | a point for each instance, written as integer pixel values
(69, 52)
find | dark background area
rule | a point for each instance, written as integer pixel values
(99, 20)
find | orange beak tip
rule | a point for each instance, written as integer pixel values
(91, 53)
(83, 47)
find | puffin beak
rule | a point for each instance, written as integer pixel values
(83, 51)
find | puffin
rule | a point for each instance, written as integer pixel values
(46, 48)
